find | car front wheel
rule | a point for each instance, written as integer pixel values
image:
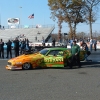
(26, 66)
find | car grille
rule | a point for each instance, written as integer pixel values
(9, 63)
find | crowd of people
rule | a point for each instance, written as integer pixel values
(2, 27)
(20, 46)
(75, 50)
(75, 53)
(92, 43)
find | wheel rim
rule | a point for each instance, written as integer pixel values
(26, 66)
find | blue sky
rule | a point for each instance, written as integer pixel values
(42, 13)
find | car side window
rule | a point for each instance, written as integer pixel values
(60, 53)
(51, 53)
(55, 53)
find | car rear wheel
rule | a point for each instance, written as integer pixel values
(26, 66)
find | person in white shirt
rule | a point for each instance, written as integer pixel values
(71, 43)
(91, 44)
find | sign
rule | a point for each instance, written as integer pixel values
(13, 21)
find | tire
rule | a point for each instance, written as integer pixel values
(26, 66)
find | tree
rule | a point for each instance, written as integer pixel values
(56, 13)
(90, 7)
(70, 11)
(76, 13)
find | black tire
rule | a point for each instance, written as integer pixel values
(26, 66)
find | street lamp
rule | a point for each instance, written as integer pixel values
(20, 15)
(0, 17)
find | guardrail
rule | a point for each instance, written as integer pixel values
(24, 26)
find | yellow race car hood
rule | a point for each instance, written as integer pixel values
(25, 57)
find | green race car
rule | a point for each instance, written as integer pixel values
(48, 57)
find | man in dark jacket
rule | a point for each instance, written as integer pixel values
(16, 47)
(1, 48)
(9, 47)
(53, 42)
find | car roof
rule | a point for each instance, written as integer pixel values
(56, 48)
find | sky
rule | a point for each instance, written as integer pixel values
(42, 14)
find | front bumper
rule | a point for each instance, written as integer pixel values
(9, 67)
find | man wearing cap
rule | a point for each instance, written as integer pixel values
(75, 51)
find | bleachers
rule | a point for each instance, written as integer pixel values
(29, 33)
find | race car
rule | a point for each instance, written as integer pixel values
(47, 57)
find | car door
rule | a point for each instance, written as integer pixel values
(54, 59)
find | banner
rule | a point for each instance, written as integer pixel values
(13, 21)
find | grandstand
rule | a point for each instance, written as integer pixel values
(30, 33)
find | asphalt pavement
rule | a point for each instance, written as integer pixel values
(95, 56)
(52, 83)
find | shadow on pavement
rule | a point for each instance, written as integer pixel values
(90, 64)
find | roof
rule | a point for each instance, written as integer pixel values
(56, 48)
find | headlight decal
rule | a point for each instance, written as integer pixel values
(9, 63)
(18, 63)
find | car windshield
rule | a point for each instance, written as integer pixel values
(43, 52)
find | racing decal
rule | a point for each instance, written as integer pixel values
(53, 60)
(38, 61)
(67, 53)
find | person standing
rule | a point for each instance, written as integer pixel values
(1, 48)
(66, 42)
(95, 44)
(84, 48)
(16, 47)
(36, 38)
(71, 43)
(3, 27)
(75, 58)
(91, 44)
(9, 49)
(27, 45)
(0, 26)
(53, 42)
(22, 46)
(43, 42)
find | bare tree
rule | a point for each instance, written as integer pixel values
(70, 11)
(81, 35)
(90, 7)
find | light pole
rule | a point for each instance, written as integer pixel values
(0, 18)
(20, 16)
(0, 15)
